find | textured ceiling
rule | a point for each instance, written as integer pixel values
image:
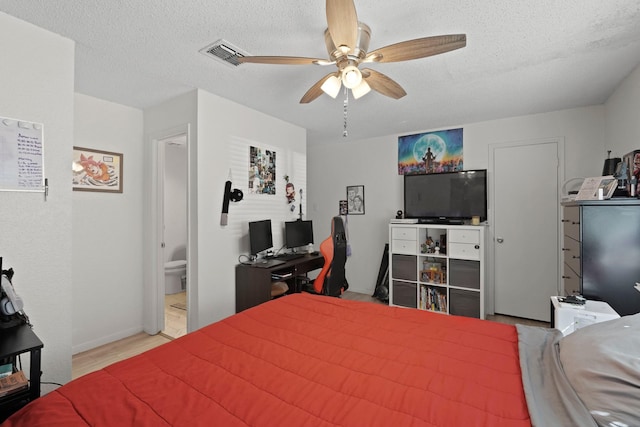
(522, 57)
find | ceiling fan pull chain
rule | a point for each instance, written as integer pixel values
(346, 104)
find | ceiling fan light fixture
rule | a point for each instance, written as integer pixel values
(361, 90)
(331, 86)
(351, 76)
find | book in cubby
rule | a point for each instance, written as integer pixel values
(433, 298)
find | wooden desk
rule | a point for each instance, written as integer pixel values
(253, 284)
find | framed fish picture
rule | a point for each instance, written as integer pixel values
(97, 170)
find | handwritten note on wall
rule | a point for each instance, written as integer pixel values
(21, 156)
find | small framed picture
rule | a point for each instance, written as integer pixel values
(97, 170)
(342, 207)
(355, 199)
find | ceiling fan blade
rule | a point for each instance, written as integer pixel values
(383, 84)
(315, 90)
(282, 60)
(417, 48)
(342, 22)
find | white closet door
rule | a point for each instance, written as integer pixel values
(526, 228)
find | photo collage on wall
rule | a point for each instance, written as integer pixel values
(430, 152)
(262, 171)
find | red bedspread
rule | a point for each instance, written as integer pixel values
(306, 360)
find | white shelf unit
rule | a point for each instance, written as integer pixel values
(450, 280)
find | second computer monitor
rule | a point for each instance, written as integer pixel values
(298, 233)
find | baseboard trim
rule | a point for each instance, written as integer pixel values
(89, 345)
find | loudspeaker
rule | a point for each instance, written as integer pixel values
(399, 215)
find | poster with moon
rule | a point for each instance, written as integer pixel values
(430, 152)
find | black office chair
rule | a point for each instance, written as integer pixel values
(332, 280)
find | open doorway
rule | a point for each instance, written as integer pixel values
(173, 233)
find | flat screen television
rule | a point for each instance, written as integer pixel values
(450, 197)
(298, 233)
(260, 236)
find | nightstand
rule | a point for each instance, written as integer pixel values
(568, 318)
(13, 342)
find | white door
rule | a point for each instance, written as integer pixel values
(172, 183)
(526, 228)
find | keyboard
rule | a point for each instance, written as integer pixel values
(289, 257)
(267, 263)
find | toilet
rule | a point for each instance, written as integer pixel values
(175, 272)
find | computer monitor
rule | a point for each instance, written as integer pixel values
(260, 237)
(298, 233)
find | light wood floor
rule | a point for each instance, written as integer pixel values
(107, 354)
(99, 357)
(175, 319)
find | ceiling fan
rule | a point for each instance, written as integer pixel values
(347, 42)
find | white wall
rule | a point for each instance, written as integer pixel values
(373, 163)
(107, 236)
(174, 117)
(36, 83)
(623, 112)
(225, 132)
(221, 133)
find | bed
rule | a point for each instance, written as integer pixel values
(308, 360)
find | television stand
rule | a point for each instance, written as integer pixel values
(450, 280)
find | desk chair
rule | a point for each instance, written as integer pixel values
(332, 280)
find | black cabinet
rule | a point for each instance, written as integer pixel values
(13, 342)
(607, 252)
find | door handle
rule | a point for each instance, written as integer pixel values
(499, 240)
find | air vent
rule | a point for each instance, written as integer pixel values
(222, 50)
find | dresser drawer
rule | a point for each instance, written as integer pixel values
(401, 233)
(403, 246)
(571, 252)
(571, 222)
(404, 240)
(464, 251)
(464, 236)
(404, 267)
(404, 294)
(571, 281)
